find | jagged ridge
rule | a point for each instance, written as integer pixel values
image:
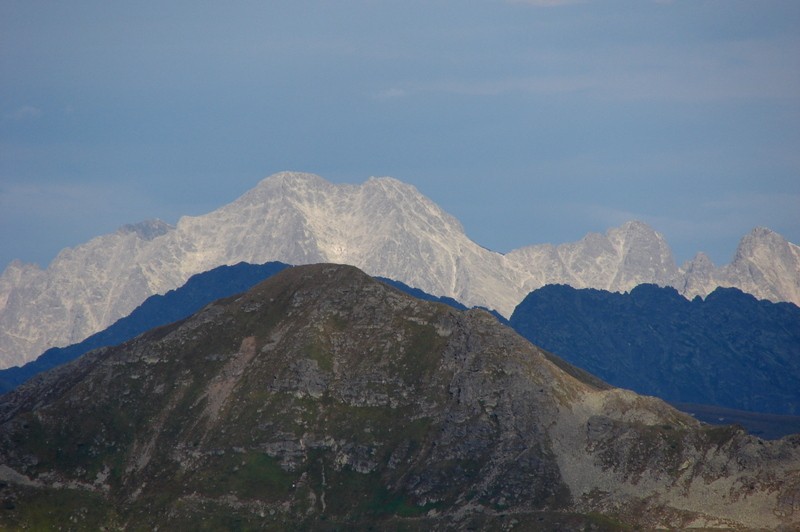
(383, 226)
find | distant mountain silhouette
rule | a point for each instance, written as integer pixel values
(729, 350)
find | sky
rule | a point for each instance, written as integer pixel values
(530, 121)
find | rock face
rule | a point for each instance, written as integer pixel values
(383, 226)
(765, 265)
(618, 260)
(325, 399)
(729, 350)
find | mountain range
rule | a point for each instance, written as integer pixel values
(324, 399)
(651, 340)
(383, 226)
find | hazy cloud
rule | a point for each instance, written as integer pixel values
(27, 112)
(391, 93)
(712, 71)
(777, 210)
(499, 87)
(61, 198)
(64, 214)
(700, 73)
(547, 3)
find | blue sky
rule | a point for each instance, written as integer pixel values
(530, 121)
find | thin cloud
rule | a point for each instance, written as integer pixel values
(61, 215)
(78, 202)
(775, 209)
(556, 3)
(547, 3)
(728, 71)
(27, 112)
(391, 94)
(494, 87)
(717, 71)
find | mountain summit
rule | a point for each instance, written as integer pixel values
(616, 261)
(383, 226)
(322, 398)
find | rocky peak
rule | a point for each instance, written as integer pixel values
(643, 247)
(697, 277)
(766, 265)
(635, 229)
(280, 186)
(760, 238)
(700, 262)
(291, 180)
(618, 260)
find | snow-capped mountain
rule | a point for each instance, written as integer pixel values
(383, 226)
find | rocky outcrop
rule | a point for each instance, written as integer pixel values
(618, 260)
(765, 265)
(323, 398)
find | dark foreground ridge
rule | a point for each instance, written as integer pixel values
(200, 290)
(324, 399)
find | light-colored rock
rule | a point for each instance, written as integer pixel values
(383, 226)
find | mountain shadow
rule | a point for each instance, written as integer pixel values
(729, 350)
